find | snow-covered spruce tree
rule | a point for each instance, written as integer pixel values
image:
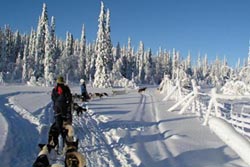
(225, 71)
(17, 73)
(52, 30)
(18, 48)
(149, 68)
(137, 60)
(8, 56)
(175, 63)
(166, 64)
(123, 62)
(158, 68)
(7, 46)
(140, 63)
(65, 61)
(15, 59)
(102, 79)
(131, 61)
(54, 41)
(205, 69)
(31, 53)
(117, 64)
(90, 61)
(24, 64)
(162, 54)
(40, 43)
(187, 65)
(82, 56)
(109, 57)
(2, 53)
(49, 66)
(199, 69)
(117, 53)
(32, 44)
(215, 72)
(69, 45)
(60, 45)
(76, 47)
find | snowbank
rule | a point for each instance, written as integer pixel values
(119, 81)
(233, 139)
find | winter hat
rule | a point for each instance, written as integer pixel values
(60, 80)
(82, 81)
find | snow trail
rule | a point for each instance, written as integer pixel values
(93, 137)
(20, 132)
(130, 130)
(163, 149)
(99, 147)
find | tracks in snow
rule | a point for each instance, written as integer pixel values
(147, 112)
(99, 148)
(22, 134)
(92, 142)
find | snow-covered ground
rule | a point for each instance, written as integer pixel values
(130, 129)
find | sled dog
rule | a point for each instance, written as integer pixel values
(68, 131)
(73, 158)
(142, 89)
(100, 95)
(53, 136)
(67, 134)
(42, 158)
(79, 110)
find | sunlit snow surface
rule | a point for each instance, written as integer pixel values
(130, 129)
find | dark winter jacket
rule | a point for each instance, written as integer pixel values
(61, 97)
(84, 92)
(83, 88)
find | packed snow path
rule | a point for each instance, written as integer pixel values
(23, 129)
(160, 138)
(150, 141)
(123, 130)
(93, 143)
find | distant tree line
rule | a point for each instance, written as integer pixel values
(41, 55)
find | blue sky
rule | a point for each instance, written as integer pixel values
(215, 27)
